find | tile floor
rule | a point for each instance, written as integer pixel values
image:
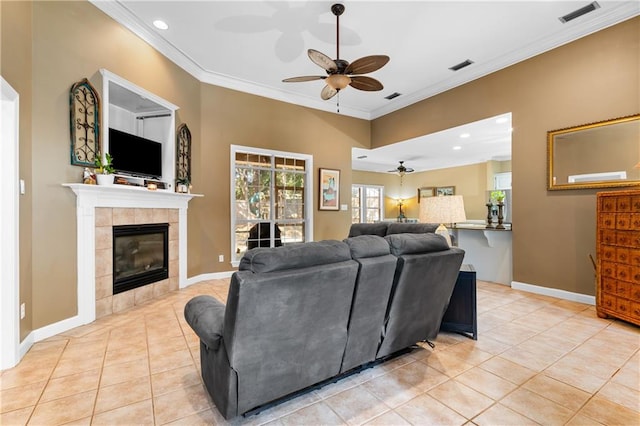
(538, 360)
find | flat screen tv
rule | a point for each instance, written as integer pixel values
(134, 155)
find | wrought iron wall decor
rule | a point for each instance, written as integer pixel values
(84, 106)
(183, 155)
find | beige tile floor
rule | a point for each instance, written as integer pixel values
(538, 360)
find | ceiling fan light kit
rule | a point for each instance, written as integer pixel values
(341, 73)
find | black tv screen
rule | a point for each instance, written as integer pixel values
(134, 155)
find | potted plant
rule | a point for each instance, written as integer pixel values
(104, 169)
(498, 196)
(182, 185)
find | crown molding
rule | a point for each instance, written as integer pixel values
(121, 14)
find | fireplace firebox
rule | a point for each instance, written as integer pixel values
(140, 255)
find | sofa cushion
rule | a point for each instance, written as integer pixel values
(410, 228)
(416, 243)
(367, 246)
(379, 229)
(291, 256)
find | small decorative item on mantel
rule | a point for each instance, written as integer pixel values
(104, 169)
(183, 185)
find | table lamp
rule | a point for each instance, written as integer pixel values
(442, 209)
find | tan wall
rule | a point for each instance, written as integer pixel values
(231, 117)
(592, 79)
(469, 181)
(72, 40)
(15, 67)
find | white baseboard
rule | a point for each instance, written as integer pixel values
(554, 292)
(25, 345)
(210, 276)
(56, 328)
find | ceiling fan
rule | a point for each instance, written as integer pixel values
(401, 169)
(341, 73)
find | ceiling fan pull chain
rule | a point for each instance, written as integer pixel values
(338, 102)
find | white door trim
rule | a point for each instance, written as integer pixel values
(9, 241)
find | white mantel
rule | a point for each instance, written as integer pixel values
(90, 197)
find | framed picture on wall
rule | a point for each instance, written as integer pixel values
(445, 190)
(329, 189)
(425, 192)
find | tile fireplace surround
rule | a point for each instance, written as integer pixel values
(99, 208)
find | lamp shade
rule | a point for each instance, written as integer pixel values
(442, 209)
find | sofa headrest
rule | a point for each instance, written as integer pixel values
(293, 256)
(379, 229)
(411, 228)
(416, 243)
(367, 246)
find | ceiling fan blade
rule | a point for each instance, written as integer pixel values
(328, 93)
(303, 78)
(367, 64)
(322, 60)
(369, 84)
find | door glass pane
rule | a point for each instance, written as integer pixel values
(291, 232)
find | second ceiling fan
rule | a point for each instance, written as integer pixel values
(341, 73)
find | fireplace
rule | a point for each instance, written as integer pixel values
(140, 255)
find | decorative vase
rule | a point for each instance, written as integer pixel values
(104, 179)
(489, 215)
(500, 216)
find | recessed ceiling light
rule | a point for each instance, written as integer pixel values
(465, 135)
(457, 148)
(502, 120)
(160, 24)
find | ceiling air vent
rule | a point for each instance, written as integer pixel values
(579, 12)
(393, 95)
(461, 65)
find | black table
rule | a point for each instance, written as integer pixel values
(461, 315)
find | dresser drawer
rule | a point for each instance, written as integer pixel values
(624, 238)
(635, 274)
(609, 285)
(607, 204)
(623, 204)
(608, 220)
(635, 292)
(608, 301)
(623, 305)
(634, 256)
(635, 311)
(624, 289)
(635, 203)
(623, 221)
(608, 269)
(622, 255)
(607, 236)
(623, 272)
(635, 221)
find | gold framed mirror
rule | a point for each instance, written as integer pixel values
(605, 154)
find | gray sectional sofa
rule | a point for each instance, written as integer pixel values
(300, 314)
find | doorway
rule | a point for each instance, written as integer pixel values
(9, 245)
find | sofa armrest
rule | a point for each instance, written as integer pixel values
(205, 315)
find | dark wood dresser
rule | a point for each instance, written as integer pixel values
(618, 251)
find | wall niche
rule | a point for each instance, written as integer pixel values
(134, 110)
